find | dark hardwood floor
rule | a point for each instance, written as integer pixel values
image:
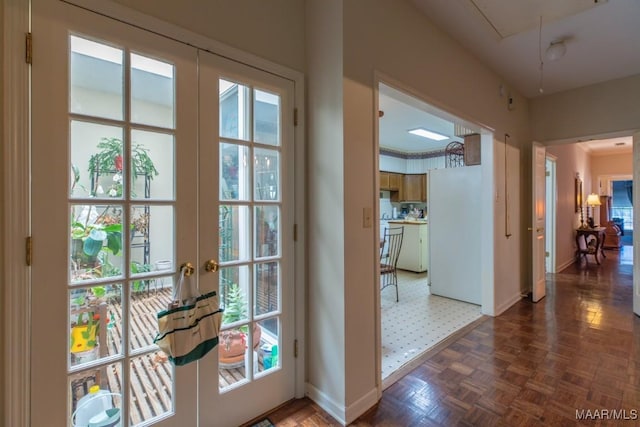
(535, 365)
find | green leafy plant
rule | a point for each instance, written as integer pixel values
(89, 250)
(110, 160)
(75, 170)
(136, 267)
(235, 304)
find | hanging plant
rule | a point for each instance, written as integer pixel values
(110, 160)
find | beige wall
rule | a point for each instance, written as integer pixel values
(602, 109)
(571, 159)
(436, 70)
(607, 165)
(326, 309)
(271, 29)
(507, 208)
(381, 35)
(2, 289)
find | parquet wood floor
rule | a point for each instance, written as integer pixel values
(535, 365)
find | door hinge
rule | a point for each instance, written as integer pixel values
(295, 348)
(28, 57)
(29, 250)
(546, 254)
(295, 117)
(547, 173)
(295, 232)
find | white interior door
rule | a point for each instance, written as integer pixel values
(126, 187)
(538, 218)
(246, 133)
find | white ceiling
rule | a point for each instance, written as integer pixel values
(602, 39)
(402, 112)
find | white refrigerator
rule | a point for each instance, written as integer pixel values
(454, 233)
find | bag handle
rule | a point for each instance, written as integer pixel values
(177, 290)
(181, 292)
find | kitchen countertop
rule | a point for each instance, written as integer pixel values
(408, 221)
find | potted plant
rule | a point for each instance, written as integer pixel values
(86, 309)
(233, 342)
(84, 332)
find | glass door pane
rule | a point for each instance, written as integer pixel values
(246, 132)
(249, 118)
(108, 208)
(121, 240)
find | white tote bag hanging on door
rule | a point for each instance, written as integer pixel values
(188, 329)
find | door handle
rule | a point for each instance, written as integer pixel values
(188, 268)
(211, 266)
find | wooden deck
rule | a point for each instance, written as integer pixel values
(151, 372)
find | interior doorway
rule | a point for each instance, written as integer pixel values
(551, 200)
(622, 208)
(419, 318)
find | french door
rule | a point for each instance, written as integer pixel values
(246, 123)
(149, 156)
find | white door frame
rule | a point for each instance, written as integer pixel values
(486, 219)
(551, 212)
(16, 188)
(16, 223)
(636, 224)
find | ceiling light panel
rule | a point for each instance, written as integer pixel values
(428, 134)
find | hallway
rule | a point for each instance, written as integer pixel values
(535, 365)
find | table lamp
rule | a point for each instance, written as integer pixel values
(592, 200)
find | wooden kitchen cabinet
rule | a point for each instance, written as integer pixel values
(384, 181)
(393, 182)
(415, 188)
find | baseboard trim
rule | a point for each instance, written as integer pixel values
(361, 405)
(507, 304)
(564, 265)
(327, 403)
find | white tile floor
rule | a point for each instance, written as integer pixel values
(419, 321)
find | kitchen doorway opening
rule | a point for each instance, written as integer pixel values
(421, 316)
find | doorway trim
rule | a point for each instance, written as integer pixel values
(551, 213)
(16, 222)
(486, 218)
(16, 187)
(636, 224)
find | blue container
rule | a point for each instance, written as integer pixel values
(274, 356)
(266, 356)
